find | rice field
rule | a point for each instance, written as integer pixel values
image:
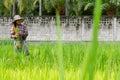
(63, 61)
(43, 63)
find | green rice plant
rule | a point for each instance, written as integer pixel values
(19, 39)
(90, 60)
(59, 47)
(42, 63)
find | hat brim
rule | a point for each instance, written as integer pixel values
(18, 19)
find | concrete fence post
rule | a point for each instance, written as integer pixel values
(83, 25)
(114, 29)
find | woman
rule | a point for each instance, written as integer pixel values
(19, 33)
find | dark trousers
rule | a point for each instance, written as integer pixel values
(23, 49)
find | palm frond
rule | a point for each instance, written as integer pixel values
(7, 4)
(104, 6)
(88, 6)
(12, 2)
(35, 1)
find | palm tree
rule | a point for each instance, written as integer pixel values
(55, 4)
(76, 7)
(111, 6)
(89, 6)
(20, 6)
(2, 8)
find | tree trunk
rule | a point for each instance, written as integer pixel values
(111, 10)
(66, 11)
(61, 10)
(40, 7)
(13, 10)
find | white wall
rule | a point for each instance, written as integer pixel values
(79, 28)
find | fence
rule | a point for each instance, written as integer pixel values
(73, 28)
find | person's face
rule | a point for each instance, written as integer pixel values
(19, 21)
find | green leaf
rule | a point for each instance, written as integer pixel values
(7, 4)
(88, 6)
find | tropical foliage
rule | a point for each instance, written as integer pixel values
(21, 6)
(49, 7)
(3, 10)
(111, 7)
(76, 7)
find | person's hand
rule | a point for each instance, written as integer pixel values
(17, 35)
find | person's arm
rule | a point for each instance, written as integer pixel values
(12, 32)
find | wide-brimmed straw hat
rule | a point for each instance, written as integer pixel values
(17, 17)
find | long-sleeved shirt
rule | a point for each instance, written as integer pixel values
(22, 30)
